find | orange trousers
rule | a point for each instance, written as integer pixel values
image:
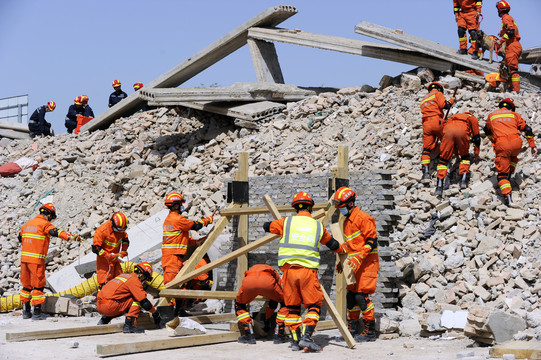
(33, 282)
(171, 265)
(301, 287)
(507, 151)
(468, 21)
(455, 138)
(431, 134)
(106, 270)
(366, 278)
(512, 54)
(114, 308)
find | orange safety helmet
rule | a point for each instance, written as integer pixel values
(116, 83)
(51, 105)
(119, 222)
(173, 199)
(435, 85)
(84, 98)
(137, 86)
(48, 209)
(507, 103)
(342, 196)
(302, 198)
(145, 269)
(78, 100)
(503, 6)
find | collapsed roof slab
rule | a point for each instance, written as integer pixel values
(194, 64)
(237, 92)
(398, 37)
(349, 46)
(531, 56)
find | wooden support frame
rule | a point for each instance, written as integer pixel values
(203, 294)
(255, 210)
(242, 230)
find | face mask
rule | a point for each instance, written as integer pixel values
(181, 208)
(344, 211)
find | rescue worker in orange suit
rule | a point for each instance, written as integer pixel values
(361, 245)
(298, 258)
(176, 238)
(262, 280)
(457, 131)
(110, 244)
(432, 107)
(503, 128)
(35, 236)
(467, 15)
(125, 295)
(510, 36)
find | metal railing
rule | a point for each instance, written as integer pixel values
(14, 108)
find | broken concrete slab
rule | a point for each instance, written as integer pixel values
(504, 326)
(454, 319)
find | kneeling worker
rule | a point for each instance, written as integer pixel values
(125, 294)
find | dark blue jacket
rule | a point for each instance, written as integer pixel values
(37, 123)
(71, 118)
(88, 111)
(116, 97)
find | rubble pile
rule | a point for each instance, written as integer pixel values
(479, 253)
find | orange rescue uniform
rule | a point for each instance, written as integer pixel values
(466, 12)
(502, 127)
(361, 241)
(35, 236)
(122, 295)
(109, 243)
(457, 131)
(513, 49)
(432, 114)
(262, 280)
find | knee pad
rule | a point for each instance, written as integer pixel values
(314, 307)
(294, 310)
(461, 31)
(273, 304)
(39, 289)
(350, 300)
(239, 307)
(360, 299)
(465, 157)
(474, 35)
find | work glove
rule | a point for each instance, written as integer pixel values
(123, 254)
(452, 100)
(208, 220)
(339, 267)
(157, 320)
(355, 262)
(74, 237)
(534, 151)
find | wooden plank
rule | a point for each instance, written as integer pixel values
(214, 318)
(202, 294)
(64, 333)
(272, 208)
(348, 273)
(521, 349)
(338, 319)
(254, 210)
(196, 63)
(349, 46)
(164, 344)
(242, 227)
(325, 325)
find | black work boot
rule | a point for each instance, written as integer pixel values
(248, 337)
(462, 52)
(295, 337)
(179, 309)
(369, 332)
(353, 327)
(464, 181)
(27, 311)
(439, 187)
(426, 173)
(37, 315)
(507, 199)
(130, 328)
(105, 320)
(280, 336)
(307, 342)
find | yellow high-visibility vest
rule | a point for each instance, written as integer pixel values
(299, 244)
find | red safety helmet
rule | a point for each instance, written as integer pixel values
(342, 196)
(51, 105)
(119, 222)
(48, 209)
(503, 6)
(435, 85)
(84, 98)
(173, 199)
(78, 100)
(145, 269)
(507, 103)
(116, 83)
(137, 86)
(302, 198)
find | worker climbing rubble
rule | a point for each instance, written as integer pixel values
(432, 107)
(361, 245)
(510, 36)
(503, 128)
(457, 131)
(298, 258)
(176, 238)
(35, 236)
(125, 295)
(110, 244)
(467, 17)
(262, 280)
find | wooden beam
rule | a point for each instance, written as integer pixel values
(521, 349)
(254, 210)
(242, 229)
(202, 294)
(164, 344)
(336, 230)
(213, 318)
(64, 333)
(338, 319)
(272, 208)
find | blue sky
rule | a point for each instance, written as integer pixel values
(59, 49)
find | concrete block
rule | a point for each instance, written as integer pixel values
(504, 326)
(454, 319)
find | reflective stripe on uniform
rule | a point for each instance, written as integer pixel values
(34, 255)
(299, 244)
(32, 236)
(505, 186)
(243, 316)
(110, 243)
(432, 97)
(136, 303)
(174, 246)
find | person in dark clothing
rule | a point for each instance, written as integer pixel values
(37, 124)
(88, 110)
(117, 95)
(71, 117)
